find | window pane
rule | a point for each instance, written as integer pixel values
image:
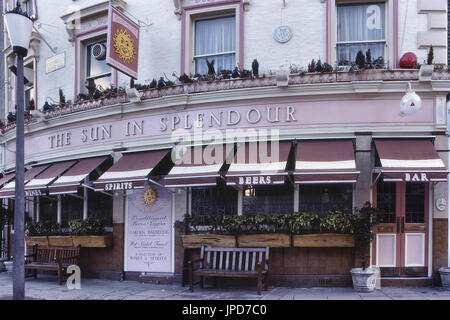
(222, 62)
(361, 22)
(71, 208)
(48, 210)
(415, 203)
(214, 201)
(213, 36)
(100, 206)
(320, 198)
(268, 200)
(386, 201)
(348, 52)
(95, 67)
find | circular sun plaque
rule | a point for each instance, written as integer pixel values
(282, 34)
(124, 45)
(150, 196)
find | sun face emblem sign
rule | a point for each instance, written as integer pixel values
(124, 45)
(150, 196)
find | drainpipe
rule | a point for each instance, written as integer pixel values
(447, 133)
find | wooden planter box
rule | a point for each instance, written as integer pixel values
(60, 241)
(275, 240)
(104, 241)
(39, 240)
(325, 240)
(210, 240)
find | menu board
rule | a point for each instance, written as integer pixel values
(149, 230)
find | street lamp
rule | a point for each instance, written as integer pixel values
(19, 26)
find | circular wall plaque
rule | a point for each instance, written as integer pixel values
(282, 34)
(441, 204)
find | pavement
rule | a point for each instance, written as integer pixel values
(46, 288)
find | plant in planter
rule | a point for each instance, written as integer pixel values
(426, 70)
(364, 279)
(303, 222)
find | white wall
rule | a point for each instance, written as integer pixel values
(160, 47)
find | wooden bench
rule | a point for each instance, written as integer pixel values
(52, 259)
(231, 262)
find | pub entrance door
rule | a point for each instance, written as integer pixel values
(400, 247)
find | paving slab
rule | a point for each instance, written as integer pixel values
(46, 288)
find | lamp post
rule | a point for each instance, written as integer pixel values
(19, 26)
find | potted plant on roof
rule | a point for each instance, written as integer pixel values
(365, 278)
(426, 70)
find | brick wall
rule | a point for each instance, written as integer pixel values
(440, 243)
(105, 262)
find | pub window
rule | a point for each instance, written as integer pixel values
(268, 200)
(71, 208)
(214, 201)
(100, 206)
(360, 27)
(48, 209)
(415, 203)
(321, 198)
(215, 39)
(98, 73)
(386, 201)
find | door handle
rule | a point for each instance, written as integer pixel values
(398, 224)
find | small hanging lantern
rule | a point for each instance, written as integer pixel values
(411, 102)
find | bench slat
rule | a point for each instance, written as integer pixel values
(214, 261)
(220, 260)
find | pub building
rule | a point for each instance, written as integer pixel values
(280, 143)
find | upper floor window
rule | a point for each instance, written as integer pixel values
(215, 39)
(28, 6)
(97, 72)
(360, 27)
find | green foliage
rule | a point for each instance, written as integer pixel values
(360, 60)
(312, 66)
(327, 67)
(430, 56)
(338, 222)
(367, 218)
(358, 223)
(255, 68)
(246, 73)
(89, 227)
(303, 222)
(44, 228)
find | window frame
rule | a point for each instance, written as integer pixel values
(191, 15)
(390, 57)
(194, 57)
(81, 43)
(362, 42)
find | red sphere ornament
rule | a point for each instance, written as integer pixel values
(408, 60)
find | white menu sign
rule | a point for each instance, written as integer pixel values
(149, 230)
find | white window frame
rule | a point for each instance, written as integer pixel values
(389, 56)
(194, 15)
(216, 53)
(82, 43)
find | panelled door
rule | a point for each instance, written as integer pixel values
(400, 246)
